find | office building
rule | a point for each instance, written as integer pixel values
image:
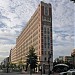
(36, 33)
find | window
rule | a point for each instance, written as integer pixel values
(48, 45)
(44, 39)
(48, 39)
(45, 59)
(45, 30)
(44, 45)
(44, 18)
(42, 52)
(50, 19)
(48, 30)
(73, 73)
(46, 12)
(45, 52)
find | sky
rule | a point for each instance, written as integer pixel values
(14, 14)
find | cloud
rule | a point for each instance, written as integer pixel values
(61, 50)
(6, 47)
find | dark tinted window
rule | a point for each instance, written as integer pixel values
(65, 74)
(73, 73)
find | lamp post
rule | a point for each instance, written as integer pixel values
(49, 63)
(73, 60)
(7, 67)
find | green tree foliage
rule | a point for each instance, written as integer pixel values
(32, 58)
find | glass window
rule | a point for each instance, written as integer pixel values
(44, 39)
(45, 30)
(50, 19)
(45, 45)
(73, 73)
(44, 18)
(45, 52)
(42, 52)
(46, 10)
(48, 30)
(48, 45)
(45, 59)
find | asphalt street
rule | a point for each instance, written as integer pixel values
(23, 74)
(18, 74)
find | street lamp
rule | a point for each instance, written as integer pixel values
(49, 63)
(73, 60)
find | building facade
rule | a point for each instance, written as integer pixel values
(73, 56)
(13, 55)
(5, 61)
(37, 33)
(62, 59)
(67, 59)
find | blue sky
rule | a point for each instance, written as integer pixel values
(14, 14)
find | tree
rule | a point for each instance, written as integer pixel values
(31, 58)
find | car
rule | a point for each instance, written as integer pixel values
(63, 73)
(71, 72)
(1, 70)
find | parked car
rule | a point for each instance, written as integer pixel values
(71, 72)
(63, 73)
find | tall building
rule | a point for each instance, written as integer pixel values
(37, 33)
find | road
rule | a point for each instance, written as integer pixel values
(23, 74)
(19, 73)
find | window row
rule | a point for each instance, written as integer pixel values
(44, 18)
(44, 59)
(46, 30)
(45, 52)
